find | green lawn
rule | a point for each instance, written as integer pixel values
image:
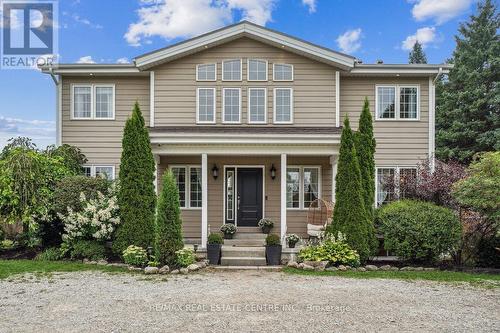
(13, 267)
(477, 279)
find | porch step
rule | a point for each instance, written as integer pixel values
(243, 261)
(243, 230)
(250, 236)
(243, 251)
(245, 242)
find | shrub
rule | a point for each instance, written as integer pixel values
(168, 227)
(136, 197)
(488, 252)
(135, 255)
(418, 231)
(215, 239)
(333, 249)
(87, 249)
(97, 220)
(50, 254)
(228, 229)
(7, 244)
(185, 257)
(350, 216)
(273, 239)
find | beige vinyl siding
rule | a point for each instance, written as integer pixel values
(101, 140)
(313, 85)
(399, 142)
(296, 219)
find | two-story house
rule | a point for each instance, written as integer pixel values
(249, 121)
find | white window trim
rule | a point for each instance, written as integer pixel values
(93, 167)
(198, 121)
(301, 184)
(291, 105)
(224, 106)
(92, 100)
(397, 110)
(397, 169)
(199, 80)
(274, 76)
(187, 167)
(248, 70)
(241, 70)
(265, 106)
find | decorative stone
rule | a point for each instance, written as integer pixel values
(332, 269)
(308, 268)
(193, 267)
(164, 270)
(371, 268)
(92, 262)
(175, 271)
(316, 263)
(429, 269)
(342, 268)
(201, 264)
(134, 269)
(184, 270)
(85, 261)
(102, 262)
(301, 265)
(394, 268)
(319, 268)
(361, 269)
(293, 264)
(354, 269)
(419, 268)
(406, 268)
(385, 268)
(151, 270)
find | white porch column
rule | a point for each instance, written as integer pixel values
(333, 162)
(283, 198)
(337, 98)
(204, 200)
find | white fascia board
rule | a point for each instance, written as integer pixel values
(234, 140)
(199, 43)
(401, 70)
(245, 150)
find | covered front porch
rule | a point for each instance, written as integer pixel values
(241, 182)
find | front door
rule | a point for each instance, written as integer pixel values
(249, 196)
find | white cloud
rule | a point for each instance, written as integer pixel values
(86, 22)
(350, 41)
(439, 10)
(86, 60)
(42, 132)
(310, 4)
(122, 61)
(424, 36)
(172, 19)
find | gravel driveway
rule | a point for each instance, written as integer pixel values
(249, 301)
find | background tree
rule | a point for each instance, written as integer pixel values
(365, 148)
(72, 156)
(417, 55)
(168, 227)
(349, 215)
(468, 113)
(136, 196)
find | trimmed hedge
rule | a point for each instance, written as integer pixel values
(418, 231)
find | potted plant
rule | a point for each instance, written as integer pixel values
(214, 245)
(228, 230)
(292, 239)
(273, 249)
(266, 225)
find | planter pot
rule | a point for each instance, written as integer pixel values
(213, 253)
(228, 236)
(273, 254)
(291, 245)
(266, 229)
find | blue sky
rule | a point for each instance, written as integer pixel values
(110, 31)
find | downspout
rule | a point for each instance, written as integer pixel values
(58, 106)
(432, 120)
(440, 72)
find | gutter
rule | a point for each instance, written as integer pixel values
(58, 85)
(440, 72)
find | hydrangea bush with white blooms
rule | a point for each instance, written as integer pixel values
(98, 219)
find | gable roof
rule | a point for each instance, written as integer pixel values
(250, 30)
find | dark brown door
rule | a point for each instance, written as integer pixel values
(249, 199)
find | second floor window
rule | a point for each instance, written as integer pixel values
(282, 72)
(283, 105)
(257, 105)
(231, 70)
(231, 105)
(397, 102)
(93, 101)
(206, 72)
(257, 70)
(206, 105)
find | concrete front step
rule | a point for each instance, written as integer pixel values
(249, 236)
(243, 261)
(254, 230)
(245, 242)
(243, 251)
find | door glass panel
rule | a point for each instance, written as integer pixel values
(230, 195)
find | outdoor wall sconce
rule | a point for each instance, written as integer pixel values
(215, 171)
(273, 172)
